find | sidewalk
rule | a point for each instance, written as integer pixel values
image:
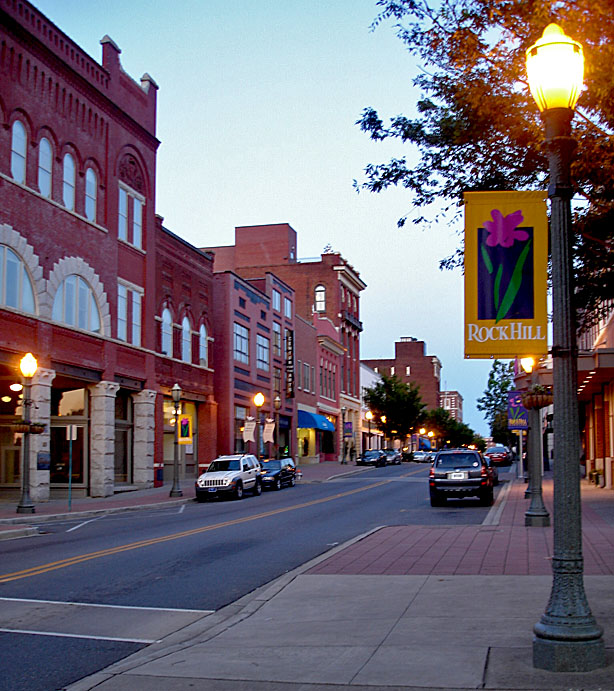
(403, 607)
(14, 525)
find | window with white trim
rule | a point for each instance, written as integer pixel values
(262, 352)
(129, 314)
(130, 216)
(276, 300)
(320, 298)
(276, 339)
(69, 178)
(15, 284)
(288, 308)
(45, 161)
(91, 194)
(19, 145)
(407, 370)
(167, 332)
(241, 343)
(186, 340)
(203, 346)
(75, 305)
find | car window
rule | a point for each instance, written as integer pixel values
(458, 460)
(222, 465)
(271, 465)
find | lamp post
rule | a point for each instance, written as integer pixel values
(536, 514)
(277, 406)
(258, 402)
(343, 449)
(28, 367)
(567, 637)
(176, 394)
(369, 416)
(383, 419)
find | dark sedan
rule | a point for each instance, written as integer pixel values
(458, 473)
(393, 456)
(276, 474)
(374, 457)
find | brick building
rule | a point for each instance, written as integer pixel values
(328, 286)
(79, 255)
(452, 401)
(412, 365)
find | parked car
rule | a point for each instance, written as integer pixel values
(277, 473)
(393, 456)
(458, 473)
(421, 457)
(374, 457)
(494, 469)
(230, 476)
(499, 454)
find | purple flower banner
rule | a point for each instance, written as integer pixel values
(506, 242)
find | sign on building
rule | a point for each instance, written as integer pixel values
(517, 417)
(506, 262)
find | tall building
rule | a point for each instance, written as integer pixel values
(328, 286)
(452, 401)
(114, 307)
(412, 365)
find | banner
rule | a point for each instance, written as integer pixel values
(517, 416)
(506, 263)
(268, 434)
(184, 435)
(248, 430)
(348, 432)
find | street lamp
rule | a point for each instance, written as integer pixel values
(176, 394)
(369, 416)
(567, 637)
(536, 514)
(343, 453)
(28, 367)
(277, 406)
(258, 402)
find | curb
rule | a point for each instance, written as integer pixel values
(19, 532)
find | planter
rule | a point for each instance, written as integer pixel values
(37, 428)
(31, 427)
(531, 400)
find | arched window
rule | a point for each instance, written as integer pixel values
(68, 189)
(91, 191)
(203, 346)
(15, 284)
(75, 304)
(186, 340)
(320, 298)
(45, 158)
(19, 142)
(167, 332)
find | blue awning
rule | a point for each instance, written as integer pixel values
(314, 420)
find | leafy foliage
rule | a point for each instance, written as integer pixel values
(399, 403)
(476, 126)
(494, 401)
(447, 430)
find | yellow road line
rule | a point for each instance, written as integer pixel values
(78, 559)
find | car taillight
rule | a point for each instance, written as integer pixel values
(484, 472)
(432, 472)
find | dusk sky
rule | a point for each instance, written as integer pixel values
(257, 107)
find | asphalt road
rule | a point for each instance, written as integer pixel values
(88, 593)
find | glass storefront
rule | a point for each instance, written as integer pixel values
(188, 457)
(69, 410)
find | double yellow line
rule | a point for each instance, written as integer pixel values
(78, 559)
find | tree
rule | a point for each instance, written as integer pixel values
(447, 430)
(398, 402)
(494, 401)
(476, 126)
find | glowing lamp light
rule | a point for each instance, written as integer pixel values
(259, 399)
(422, 430)
(555, 68)
(527, 364)
(28, 365)
(16, 387)
(369, 415)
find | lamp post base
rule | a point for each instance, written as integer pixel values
(568, 656)
(536, 520)
(26, 508)
(176, 493)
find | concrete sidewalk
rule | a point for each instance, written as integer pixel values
(404, 607)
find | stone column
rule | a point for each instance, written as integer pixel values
(102, 438)
(40, 443)
(143, 437)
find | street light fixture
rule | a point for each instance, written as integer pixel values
(536, 514)
(343, 444)
(258, 402)
(369, 416)
(567, 637)
(28, 367)
(277, 407)
(176, 393)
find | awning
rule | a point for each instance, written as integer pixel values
(314, 420)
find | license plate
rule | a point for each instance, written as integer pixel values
(457, 476)
(213, 489)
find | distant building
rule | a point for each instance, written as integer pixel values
(411, 365)
(452, 401)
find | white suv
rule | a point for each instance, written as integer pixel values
(230, 476)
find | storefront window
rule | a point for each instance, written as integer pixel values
(240, 418)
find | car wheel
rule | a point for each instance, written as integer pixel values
(277, 483)
(257, 488)
(201, 499)
(239, 491)
(292, 481)
(487, 498)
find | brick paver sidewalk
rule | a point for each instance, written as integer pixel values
(508, 548)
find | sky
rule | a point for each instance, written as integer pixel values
(257, 107)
